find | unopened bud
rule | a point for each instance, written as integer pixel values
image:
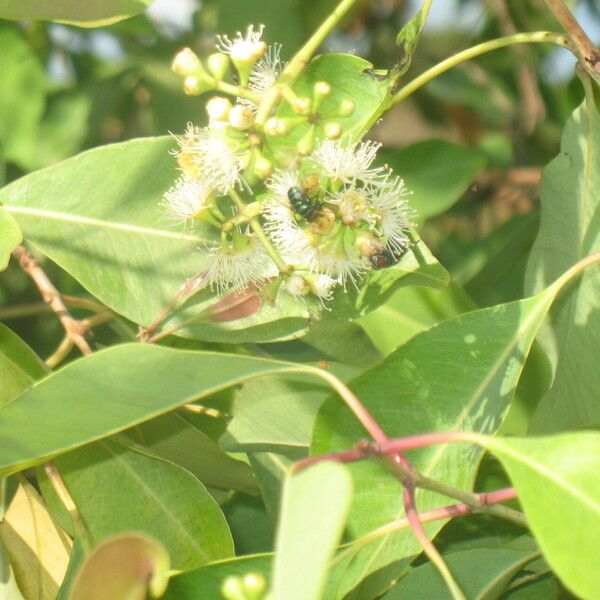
(296, 285)
(346, 107)
(233, 589)
(262, 166)
(186, 63)
(241, 117)
(218, 108)
(254, 585)
(333, 130)
(218, 65)
(275, 127)
(321, 89)
(367, 243)
(194, 86)
(301, 105)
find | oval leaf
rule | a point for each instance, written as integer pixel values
(558, 482)
(320, 498)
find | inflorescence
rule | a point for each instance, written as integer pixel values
(311, 215)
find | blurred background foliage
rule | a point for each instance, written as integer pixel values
(65, 89)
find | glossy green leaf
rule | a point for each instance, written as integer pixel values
(569, 231)
(105, 226)
(558, 482)
(437, 173)
(314, 507)
(482, 574)
(132, 383)
(85, 14)
(128, 566)
(175, 439)
(459, 375)
(346, 74)
(275, 413)
(118, 490)
(19, 366)
(23, 85)
(206, 582)
(10, 237)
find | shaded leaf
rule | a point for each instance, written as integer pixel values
(117, 490)
(19, 366)
(85, 14)
(569, 231)
(10, 237)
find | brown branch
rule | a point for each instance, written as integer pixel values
(589, 53)
(74, 329)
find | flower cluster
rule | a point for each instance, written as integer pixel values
(314, 215)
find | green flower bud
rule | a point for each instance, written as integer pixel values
(233, 589)
(254, 585)
(301, 105)
(275, 127)
(346, 107)
(333, 130)
(218, 108)
(306, 144)
(321, 90)
(194, 86)
(186, 63)
(218, 65)
(241, 117)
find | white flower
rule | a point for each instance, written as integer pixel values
(228, 269)
(208, 155)
(354, 204)
(298, 244)
(247, 47)
(388, 198)
(322, 286)
(266, 71)
(187, 198)
(347, 163)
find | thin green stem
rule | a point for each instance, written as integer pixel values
(236, 90)
(534, 37)
(260, 234)
(301, 58)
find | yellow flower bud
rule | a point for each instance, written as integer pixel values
(241, 117)
(218, 108)
(333, 130)
(218, 65)
(186, 63)
(275, 127)
(346, 107)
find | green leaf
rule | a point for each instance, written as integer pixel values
(437, 173)
(482, 574)
(569, 231)
(132, 383)
(85, 14)
(19, 366)
(105, 226)
(173, 438)
(206, 582)
(459, 375)
(277, 413)
(346, 73)
(411, 310)
(558, 482)
(125, 566)
(407, 40)
(23, 85)
(118, 490)
(314, 507)
(10, 237)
